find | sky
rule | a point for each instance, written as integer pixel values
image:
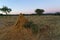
(29, 6)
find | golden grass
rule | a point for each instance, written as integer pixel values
(18, 32)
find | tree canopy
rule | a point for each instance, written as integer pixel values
(39, 11)
(5, 9)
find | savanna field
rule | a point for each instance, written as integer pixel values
(53, 22)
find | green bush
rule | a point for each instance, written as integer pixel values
(32, 26)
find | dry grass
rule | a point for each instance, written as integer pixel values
(6, 32)
(18, 32)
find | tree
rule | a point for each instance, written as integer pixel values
(5, 9)
(39, 11)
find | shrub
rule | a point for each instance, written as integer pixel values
(32, 26)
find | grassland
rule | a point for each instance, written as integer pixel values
(52, 20)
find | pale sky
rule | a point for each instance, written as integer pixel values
(29, 6)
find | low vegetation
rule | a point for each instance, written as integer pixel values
(32, 26)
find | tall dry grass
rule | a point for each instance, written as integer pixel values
(18, 32)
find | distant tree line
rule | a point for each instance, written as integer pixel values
(57, 13)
